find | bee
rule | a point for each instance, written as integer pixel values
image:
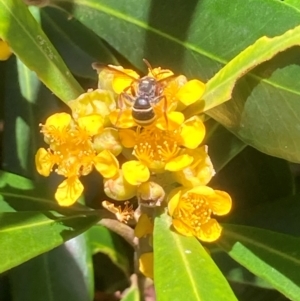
(142, 95)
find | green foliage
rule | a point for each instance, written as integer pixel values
(248, 54)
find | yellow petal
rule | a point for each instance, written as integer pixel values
(209, 231)
(91, 123)
(220, 202)
(181, 228)
(43, 162)
(146, 264)
(191, 92)
(69, 191)
(174, 198)
(59, 121)
(193, 132)
(202, 190)
(172, 121)
(118, 188)
(144, 226)
(135, 172)
(128, 138)
(106, 164)
(121, 81)
(122, 119)
(179, 162)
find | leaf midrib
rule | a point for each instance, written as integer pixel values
(189, 272)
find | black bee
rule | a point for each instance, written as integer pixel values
(146, 92)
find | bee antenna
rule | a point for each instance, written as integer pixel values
(148, 65)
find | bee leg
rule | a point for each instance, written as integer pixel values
(165, 107)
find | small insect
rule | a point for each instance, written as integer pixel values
(142, 95)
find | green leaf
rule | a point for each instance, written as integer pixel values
(21, 131)
(183, 269)
(197, 38)
(70, 36)
(104, 241)
(25, 235)
(237, 274)
(219, 88)
(272, 256)
(31, 45)
(61, 274)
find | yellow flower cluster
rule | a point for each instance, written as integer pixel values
(133, 132)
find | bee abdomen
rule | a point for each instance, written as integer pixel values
(143, 116)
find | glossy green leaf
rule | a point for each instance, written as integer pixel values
(104, 241)
(197, 38)
(183, 270)
(22, 32)
(61, 274)
(219, 87)
(24, 235)
(272, 256)
(21, 131)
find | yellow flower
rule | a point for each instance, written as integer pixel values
(94, 102)
(5, 51)
(191, 211)
(199, 172)
(71, 151)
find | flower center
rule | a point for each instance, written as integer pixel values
(194, 211)
(156, 147)
(71, 150)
